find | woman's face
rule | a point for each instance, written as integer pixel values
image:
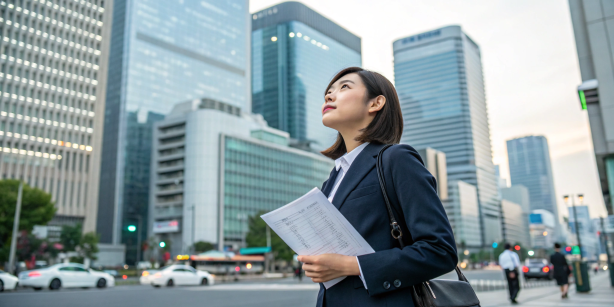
(345, 104)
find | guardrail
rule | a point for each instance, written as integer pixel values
(492, 285)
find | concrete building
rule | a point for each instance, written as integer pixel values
(435, 162)
(594, 33)
(295, 53)
(519, 194)
(52, 92)
(214, 166)
(162, 52)
(513, 224)
(462, 208)
(438, 77)
(542, 226)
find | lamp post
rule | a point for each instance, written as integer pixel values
(575, 217)
(580, 267)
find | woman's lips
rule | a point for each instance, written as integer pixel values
(326, 109)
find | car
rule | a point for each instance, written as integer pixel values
(7, 281)
(147, 276)
(537, 268)
(143, 265)
(111, 272)
(65, 275)
(181, 275)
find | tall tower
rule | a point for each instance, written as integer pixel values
(52, 86)
(438, 76)
(295, 53)
(161, 53)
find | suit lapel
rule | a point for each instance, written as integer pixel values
(328, 185)
(363, 164)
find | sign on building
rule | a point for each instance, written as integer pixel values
(166, 226)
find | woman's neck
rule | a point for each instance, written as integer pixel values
(349, 137)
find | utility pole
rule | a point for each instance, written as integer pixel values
(15, 229)
(138, 241)
(193, 228)
(604, 234)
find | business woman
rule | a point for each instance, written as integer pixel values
(363, 107)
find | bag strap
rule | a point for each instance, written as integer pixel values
(395, 228)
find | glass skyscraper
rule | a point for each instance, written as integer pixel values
(295, 53)
(438, 77)
(529, 162)
(53, 56)
(162, 52)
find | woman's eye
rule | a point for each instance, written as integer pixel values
(344, 85)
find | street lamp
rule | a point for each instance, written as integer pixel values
(575, 216)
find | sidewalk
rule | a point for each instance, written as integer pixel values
(601, 295)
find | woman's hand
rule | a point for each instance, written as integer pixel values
(326, 267)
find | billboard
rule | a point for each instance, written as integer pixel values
(166, 226)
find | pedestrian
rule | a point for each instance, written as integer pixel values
(363, 107)
(509, 262)
(561, 270)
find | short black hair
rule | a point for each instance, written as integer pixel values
(556, 245)
(507, 246)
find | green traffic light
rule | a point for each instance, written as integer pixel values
(575, 250)
(131, 228)
(162, 244)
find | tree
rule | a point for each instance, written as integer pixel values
(36, 209)
(70, 237)
(202, 246)
(87, 247)
(256, 237)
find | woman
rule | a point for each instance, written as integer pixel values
(561, 270)
(363, 107)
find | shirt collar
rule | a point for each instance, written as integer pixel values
(350, 156)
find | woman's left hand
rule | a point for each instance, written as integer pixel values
(327, 267)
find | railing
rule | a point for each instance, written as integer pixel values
(492, 285)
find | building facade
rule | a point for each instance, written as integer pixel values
(214, 166)
(52, 93)
(295, 53)
(435, 162)
(438, 77)
(586, 229)
(156, 60)
(462, 208)
(529, 164)
(513, 224)
(519, 194)
(594, 40)
(541, 227)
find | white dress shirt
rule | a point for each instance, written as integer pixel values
(343, 165)
(509, 260)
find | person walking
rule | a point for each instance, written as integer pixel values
(363, 106)
(509, 262)
(561, 269)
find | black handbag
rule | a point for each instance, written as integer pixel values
(436, 292)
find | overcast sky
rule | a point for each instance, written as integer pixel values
(530, 71)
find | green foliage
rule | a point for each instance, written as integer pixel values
(70, 237)
(202, 246)
(36, 209)
(88, 247)
(256, 237)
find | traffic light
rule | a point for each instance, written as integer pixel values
(568, 249)
(575, 250)
(162, 244)
(531, 253)
(131, 228)
(495, 244)
(517, 247)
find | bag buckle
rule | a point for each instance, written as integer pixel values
(397, 229)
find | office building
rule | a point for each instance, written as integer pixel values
(593, 32)
(462, 208)
(519, 194)
(542, 226)
(295, 53)
(52, 90)
(529, 163)
(435, 162)
(438, 77)
(214, 166)
(157, 59)
(587, 231)
(513, 225)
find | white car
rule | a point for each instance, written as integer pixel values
(65, 275)
(7, 281)
(147, 276)
(180, 275)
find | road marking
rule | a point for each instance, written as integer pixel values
(257, 287)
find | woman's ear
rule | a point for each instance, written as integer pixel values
(377, 103)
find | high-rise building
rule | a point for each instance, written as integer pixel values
(214, 166)
(513, 224)
(295, 53)
(519, 194)
(462, 209)
(586, 229)
(435, 162)
(593, 31)
(162, 52)
(438, 76)
(52, 91)
(529, 164)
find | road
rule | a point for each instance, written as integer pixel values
(284, 292)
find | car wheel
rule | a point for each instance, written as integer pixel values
(156, 286)
(102, 283)
(37, 288)
(1, 285)
(170, 283)
(55, 284)
(204, 282)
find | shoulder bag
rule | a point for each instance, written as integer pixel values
(436, 292)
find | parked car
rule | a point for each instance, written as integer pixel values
(65, 275)
(112, 272)
(180, 275)
(537, 268)
(146, 277)
(7, 281)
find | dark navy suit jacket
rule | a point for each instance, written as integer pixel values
(390, 271)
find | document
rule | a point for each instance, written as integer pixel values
(311, 226)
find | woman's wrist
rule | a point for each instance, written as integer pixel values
(351, 266)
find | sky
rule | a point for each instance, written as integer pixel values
(530, 69)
